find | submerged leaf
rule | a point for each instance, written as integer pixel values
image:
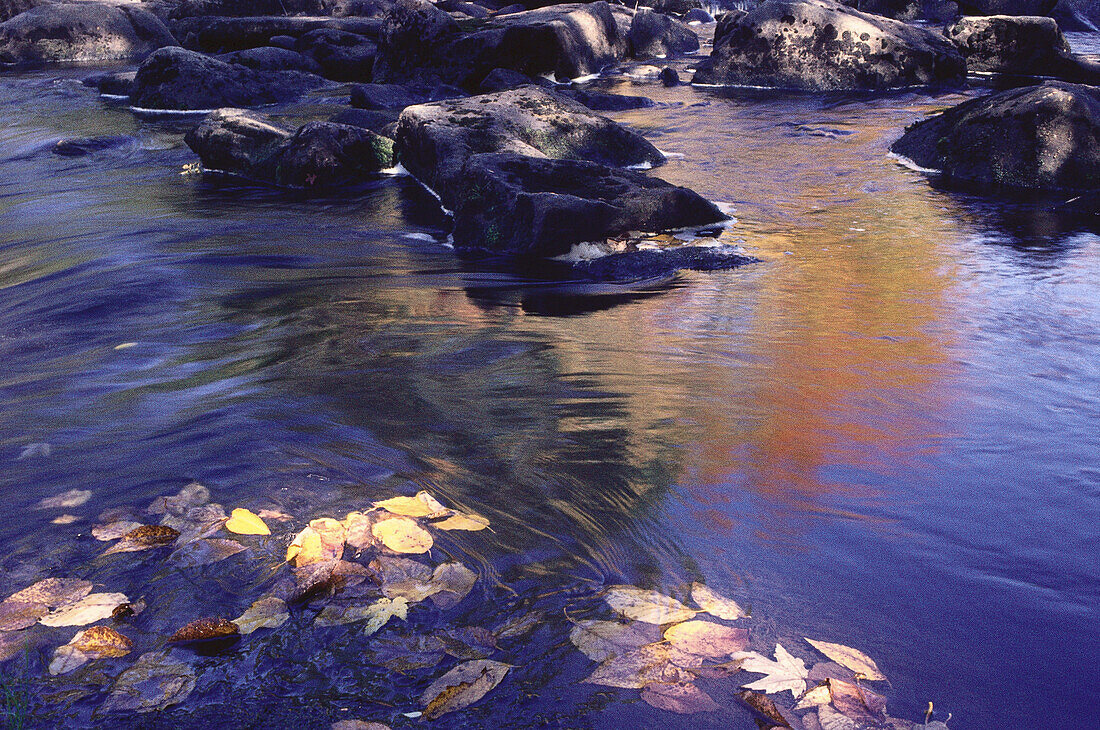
(53, 592)
(357, 526)
(714, 604)
(682, 697)
(204, 552)
(71, 498)
(830, 719)
(462, 686)
(651, 607)
(321, 540)
(468, 642)
(819, 695)
(382, 610)
(422, 505)
(205, 629)
(402, 535)
(16, 615)
(863, 665)
(519, 625)
(862, 705)
(154, 682)
(93, 607)
(67, 658)
(764, 707)
(707, 639)
(357, 725)
(191, 496)
(601, 640)
(266, 613)
(102, 641)
(454, 581)
(114, 530)
(64, 520)
(470, 523)
(244, 522)
(635, 669)
(785, 673)
(145, 537)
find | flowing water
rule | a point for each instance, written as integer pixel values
(886, 434)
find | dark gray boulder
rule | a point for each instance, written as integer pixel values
(175, 78)
(654, 35)
(222, 35)
(820, 45)
(271, 58)
(318, 155)
(412, 33)
(10, 8)
(698, 15)
(84, 31)
(602, 102)
(397, 96)
(341, 56)
(645, 264)
(379, 121)
(253, 8)
(116, 83)
(1045, 137)
(1021, 46)
(1006, 7)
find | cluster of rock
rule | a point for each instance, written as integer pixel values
(467, 97)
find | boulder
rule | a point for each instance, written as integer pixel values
(411, 35)
(84, 31)
(252, 8)
(1007, 7)
(10, 8)
(820, 45)
(534, 207)
(379, 121)
(318, 155)
(603, 102)
(117, 83)
(679, 7)
(341, 56)
(271, 58)
(434, 140)
(653, 35)
(175, 78)
(222, 35)
(1021, 46)
(647, 263)
(698, 15)
(1045, 137)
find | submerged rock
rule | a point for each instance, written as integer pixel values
(1045, 137)
(318, 155)
(85, 31)
(646, 264)
(175, 78)
(821, 45)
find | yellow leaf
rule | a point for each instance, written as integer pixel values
(714, 604)
(382, 610)
(402, 535)
(422, 505)
(322, 539)
(707, 639)
(266, 613)
(651, 607)
(462, 686)
(863, 665)
(471, 523)
(244, 522)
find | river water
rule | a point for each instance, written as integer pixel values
(886, 434)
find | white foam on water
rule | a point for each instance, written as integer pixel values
(417, 236)
(906, 162)
(115, 97)
(142, 111)
(398, 170)
(647, 165)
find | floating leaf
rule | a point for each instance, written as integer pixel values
(244, 522)
(93, 607)
(205, 629)
(382, 610)
(830, 719)
(635, 669)
(651, 607)
(422, 505)
(819, 695)
(326, 575)
(862, 705)
(764, 707)
(127, 610)
(145, 537)
(64, 520)
(204, 552)
(454, 581)
(708, 639)
(863, 665)
(470, 523)
(266, 613)
(601, 640)
(16, 615)
(402, 535)
(114, 530)
(95, 643)
(829, 670)
(53, 592)
(714, 604)
(65, 500)
(321, 540)
(462, 686)
(403, 577)
(682, 697)
(357, 526)
(154, 682)
(519, 625)
(67, 658)
(785, 673)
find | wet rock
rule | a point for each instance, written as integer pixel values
(410, 36)
(222, 35)
(653, 35)
(81, 32)
(526, 206)
(283, 41)
(341, 56)
(698, 15)
(434, 140)
(1019, 45)
(382, 122)
(822, 45)
(175, 78)
(471, 9)
(502, 79)
(1007, 7)
(253, 8)
(271, 58)
(81, 146)
(601, 102)
(396, 96)
(648, 264)
(318, 155)
(1045, 137)
(119, 83)
(679, 7)
(908, 10)
(669, 77)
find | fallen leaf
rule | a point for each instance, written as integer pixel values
(266, 613)
(64, 520)
(145, 537)
(707, 639)
(863, 665)
(357, 725)
(724, 670)
(244, 522)
(405, 653)
(601, 640)
(830, 719)
(714, 604)
(53, 592)
(186, 499)
(454, 581)
(682, 697)
(402, 535)
(321, 540)
(65, 659)
(785, 673)
(819, 695)
(114, 530)
(128, 610)
(16, 615)
(204, 552)
(635, 669)
(154, 682)
(71, 498)
(862, 705)
(422, 505)
(93, 607)
(13, 643)
(764, 707)
(357, 526)
(651, 607)
(470, 523)
(519, 625)
(97, 642)
(205, 629)
(829, 670)
(326, 575)
(404, 577)
(382, 610)
(462, 686)
(468, 642)
(197, 522)
(274, 514)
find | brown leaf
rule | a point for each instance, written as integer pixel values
(763, 706)
(682, 697)
(154, 682)
(145, 537)
(635, 669)
(191, 496)
(454, 580)
(204, 552)
(205, 629)
(468, 642)
(329, 575)
(707, 639)
(114, 530)
(405, 653)
(53, 592)
(462, 686)
(102, 641)
(358, 530)
(601, 640)
(724, 670)
(858, 703)
(196, 522)
(16, 615)
(519, 625)
(128, 610)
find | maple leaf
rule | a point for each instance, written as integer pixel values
(785, 673)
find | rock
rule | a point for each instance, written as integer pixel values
(821, 45)
(653, 35)
(119, 83)
(221, 35)
(679, 7)
(470, 9)
(669, 77)
(411, 34)
(1006, 7)
(382, 122)
(1019, 45)
(175, 78)
(1045, 137)
(318, 155)
(648, 264)
(698, 15)
(1077, 15)
(81, 146)
(342, 56)
(84, 31)
(283, 41)
(509, 9)
(384, 96)
(502, 79)
(601, 102)
(271, 58)
(535, 207)
(254, 8)
(434, 140)
(10, 8)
